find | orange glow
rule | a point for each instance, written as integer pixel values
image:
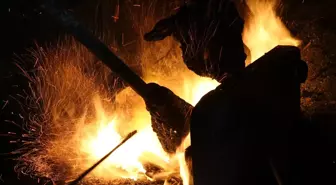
(144, 147)
(184, 171)
(264, 29)
(84, 123)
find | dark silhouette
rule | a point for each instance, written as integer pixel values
(210, 36)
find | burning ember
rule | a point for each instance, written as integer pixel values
(81, 115)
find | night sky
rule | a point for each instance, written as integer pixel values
(23, 25)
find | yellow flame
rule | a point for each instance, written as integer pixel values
(144, 147)
(102, 135)
(264, 29)
(85, 123)
(184, 168)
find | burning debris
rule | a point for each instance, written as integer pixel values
(82, 115)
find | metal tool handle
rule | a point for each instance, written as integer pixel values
(97, 47)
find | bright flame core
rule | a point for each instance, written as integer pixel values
(264, 29)
(144, 147)
(81, 122)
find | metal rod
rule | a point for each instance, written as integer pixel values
(85, 173)
(97, 47)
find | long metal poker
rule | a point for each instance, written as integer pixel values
(97, 47)
(85, 173)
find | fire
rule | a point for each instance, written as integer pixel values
(184, 170)
(81, 120)
(264, 29)
(144, 147)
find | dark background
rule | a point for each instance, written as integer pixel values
(313, 21)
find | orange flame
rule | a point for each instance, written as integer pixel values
(264, 29)
(144, 147)
(83, 122)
